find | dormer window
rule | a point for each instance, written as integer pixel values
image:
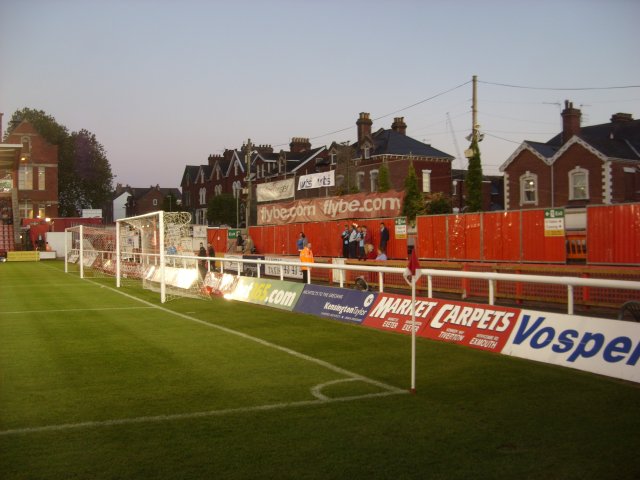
(367, 152)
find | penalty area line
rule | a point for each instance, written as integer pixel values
(194, 415)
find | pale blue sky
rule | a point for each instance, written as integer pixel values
(163, 84)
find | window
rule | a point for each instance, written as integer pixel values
(339, 180)
(217, 190)
(26, 145)
(455, 188)
(426, 181)
(359, 180)
(155, 202)
(235, 169)
(333, 158)
(25, 178)
(41, 178)
(26, 210)
(367, 152)
(373, 176)
(578, 184)
(529, 189)
(217, 173)
(203, 195)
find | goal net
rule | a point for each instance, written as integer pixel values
(154, 250)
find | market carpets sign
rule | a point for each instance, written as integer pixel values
(336, 303)
(370, 205)
(272, 293)
(479, 326)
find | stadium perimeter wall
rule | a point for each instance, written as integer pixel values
(611, 236)
(605, 347)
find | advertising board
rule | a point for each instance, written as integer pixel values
(485, 327)
(272, 293)
(336, 303)
(288, 271)
(603, 346)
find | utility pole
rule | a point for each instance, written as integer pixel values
(249, 189)
(474, 110)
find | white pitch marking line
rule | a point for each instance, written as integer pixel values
(189, 416)
(77, 310)
(317, 390)
(294, 353)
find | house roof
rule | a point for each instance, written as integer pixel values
(390, 142)
(615, 140)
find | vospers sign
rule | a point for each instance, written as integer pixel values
(371, 205)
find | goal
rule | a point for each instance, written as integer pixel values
(155, 250)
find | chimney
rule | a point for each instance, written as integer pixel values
(299, 144)
(570, 121)
(364, 126)
(399, 126)
(621, 117)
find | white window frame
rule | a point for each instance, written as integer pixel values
(202, 193)
(574, 175)
(524, 182)
(426, 181)
(373, 178)
(359, 180)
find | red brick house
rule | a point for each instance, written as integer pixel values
(581, 166)
(227, 173)
(30, 175)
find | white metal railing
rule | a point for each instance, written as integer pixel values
(188, 261)
(489, 277)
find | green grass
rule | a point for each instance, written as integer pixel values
(141, 392)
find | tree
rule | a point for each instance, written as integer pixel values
(171, 203)
(84, 172)
(474, 179)
(221, 209)
(384, 184)
(413, 203)
(437, 203)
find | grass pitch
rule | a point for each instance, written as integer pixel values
(99, 383)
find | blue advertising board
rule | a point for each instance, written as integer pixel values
(337, 303)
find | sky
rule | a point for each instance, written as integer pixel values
(164, 84)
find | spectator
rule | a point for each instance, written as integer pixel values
(381, 255)
(384, 237)
(301, 242)
(211, 253)
(353, 241)
(306, 256)
(345, 241)
(202, 264)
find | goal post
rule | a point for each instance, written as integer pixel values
(154, 249)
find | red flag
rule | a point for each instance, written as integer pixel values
(413, 265)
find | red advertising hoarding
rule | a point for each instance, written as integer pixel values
(485, 327)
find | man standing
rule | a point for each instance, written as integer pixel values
(306, 256)
(353, 241)
(384, 237)
(345, 241)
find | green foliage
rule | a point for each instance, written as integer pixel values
(84, 172)
(221, 210)
(437, 204)
(384, 183)
(474, 180)
(171, 203)
(413, 203)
